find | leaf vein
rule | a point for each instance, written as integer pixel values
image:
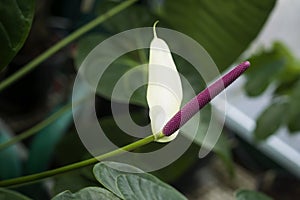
(6, 35)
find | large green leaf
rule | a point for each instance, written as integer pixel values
(225, 33)
(250, 195)
(85, 45)
(107, 172)
(6, 194)
(15, 22)
(224, 28)
(137, 15)
(89, 193)
(129, 182)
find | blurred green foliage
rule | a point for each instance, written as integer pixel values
(276, 69)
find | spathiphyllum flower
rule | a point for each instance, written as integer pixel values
(164, 92)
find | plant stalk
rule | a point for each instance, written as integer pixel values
(67, 168)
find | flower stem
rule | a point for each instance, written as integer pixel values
(49, 173)
(38, 60)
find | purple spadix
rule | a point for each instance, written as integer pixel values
(203, 98)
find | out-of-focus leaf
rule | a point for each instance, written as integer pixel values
(276, 65)
(10, 157)
(259, 81)
(74, 181)
(115, 71)
(6, 194)
(135, 16)
(221, 148)
(85, 45)
(15, 22)
(44, 144)
(250, 195)
(266, 66)
(89, 193)
(292, 68)
(75, 152)
(293, 114)
(294, 123)
(223, 28)
(270, 120)
(129, 182)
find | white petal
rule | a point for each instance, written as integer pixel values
(164, 92)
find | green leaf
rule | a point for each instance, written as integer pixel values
(11, 195)
(135, 187)
(107, 172)
(85, 45)
(136, 16)
(270, 120)
(250, 195)
(117, 177)
(223, 28)
(115, 71)
(259, 81)
(15, 22)
(89, 193)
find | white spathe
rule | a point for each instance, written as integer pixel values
(164, 92)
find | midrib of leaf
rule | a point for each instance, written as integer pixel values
(20, 11)
(6, 35)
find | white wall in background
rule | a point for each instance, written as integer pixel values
(284, 25)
